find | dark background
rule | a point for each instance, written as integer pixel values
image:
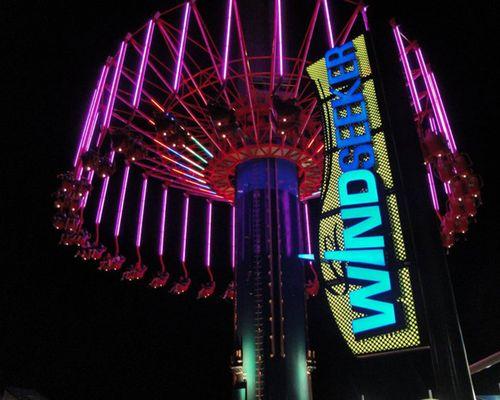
(74, 333)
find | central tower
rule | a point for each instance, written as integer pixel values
(270, 361)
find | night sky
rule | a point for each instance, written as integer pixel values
(72, 332)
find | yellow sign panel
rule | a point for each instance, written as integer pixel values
(370, 297)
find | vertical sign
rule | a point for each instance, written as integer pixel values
(361, 243)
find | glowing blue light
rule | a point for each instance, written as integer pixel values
(383, 313)
(368, 194)
(371, 219)
(373, 257)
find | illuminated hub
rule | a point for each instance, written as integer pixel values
(361, 243)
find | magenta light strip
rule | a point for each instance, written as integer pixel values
(118, 221)
(144, 190)
(208, 249)
(308, 231)
(90, 177)
(329, 26)
(104, 191)
(228, 38)
(89, 126)
(114, 85)
(161, 240)
(432, 186)
(437, 104)
(406, 66)
(233, 237)
(83, 135)
(432, 97)
(142, 68)
(433, 124)
(451, 139)
(447, 188)
(364, 13)
(280, 37)
(91, 132)
(184, 229)
(182, 47)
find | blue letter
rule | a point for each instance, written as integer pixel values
(371, 219)
(372, 257)
(367, 195)
(341, 63)
(362, 157)
(384, 313)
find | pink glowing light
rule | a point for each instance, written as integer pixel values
(161, 240)
(430, 179)
(329, 26)
(407, 69)
(233, 237)
(436, 101)
(308, 231)
(182, 47)
(91, 131)
(364, 13)
(90, 178)
(104, 191)
(432, 123)
(228, 38)
(89, 126)
(114, 85)
(209, 236)
(184, 229)
(447, 188)
(122, 201)
(83, 135)
(280, 36)
(138, 237)
(142, 68)
(451, 139)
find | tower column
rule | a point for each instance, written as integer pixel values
(270, 301)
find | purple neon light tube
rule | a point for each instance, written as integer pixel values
(445, 116)
(308, 231)
(95, 111)
(209, 236)
(89, 178)
(436, 100)
(182, 47)
(161, 239)
(91, 131)
(432, 186)
(140, 221)
(94, 106)
(364, 13)
(122, 201)
(407, 69)
(143, 66)
(184, 229)
(329, 26)
(280, 36)
(104, 191)
(114, 85)
(233, 237)
(228, 35)
(83, 135)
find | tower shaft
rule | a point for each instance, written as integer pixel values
(270, 302)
